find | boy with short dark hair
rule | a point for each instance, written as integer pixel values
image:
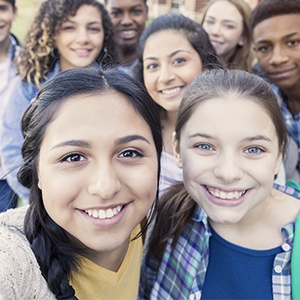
(275, 27)
(129, 18)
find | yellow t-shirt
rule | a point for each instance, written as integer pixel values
(95, 282)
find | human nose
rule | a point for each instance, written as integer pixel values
(166, 74)
(104, 181)
(82, 36)
(228, 168)
(278, 56)
(126, 19)
(214, 29)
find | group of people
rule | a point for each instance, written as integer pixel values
(151, 162)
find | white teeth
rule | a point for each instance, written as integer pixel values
(104, 214)
(226, 195)
(81, 51)
(128, 31)
(171, 91)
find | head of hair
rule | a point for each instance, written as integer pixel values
(176, 207)
(267, 9)
(106, 2)
(243, 55)
(38, 54)
(56, 251)
(12, 3)
(193, 31)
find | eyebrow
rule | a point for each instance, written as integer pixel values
(247, 139)
(226, 20)
(86, 144)
(284, 37)
(131, 7)
(170, 55)
(90, 23)
(130, 138)
(76, 143)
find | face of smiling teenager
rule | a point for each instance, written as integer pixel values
(80, 38)
(98, 171)
(129, 19)
(7, 16)
(170, 64)
(229, 153)
(224, 25)
(278, 50)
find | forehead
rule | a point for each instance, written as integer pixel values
(235, 115)
(224, 10)
(124, 3)
(106, 110)
(276, 27)
(170, 39)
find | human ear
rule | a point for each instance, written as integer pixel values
(176, 150)
(241, 42)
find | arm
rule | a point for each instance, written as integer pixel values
(20, 276)
(11, 134)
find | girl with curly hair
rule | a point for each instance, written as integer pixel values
(65, 34)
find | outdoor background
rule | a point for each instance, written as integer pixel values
(26, 12)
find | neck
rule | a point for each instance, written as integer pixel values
(168, 127)
(110, 260)
(293, 101)
(128, 58)
(4, 46)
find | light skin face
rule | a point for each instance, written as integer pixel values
(129, 18)
(7, 16)
(98, 184)
(224, 25)
(278, 51)
(80, 39)
(229, 172)
(169, 68)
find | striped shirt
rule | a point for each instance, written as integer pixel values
(181, 272)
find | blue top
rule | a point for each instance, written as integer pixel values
(11, 137)
(230, 271)
(181, 272)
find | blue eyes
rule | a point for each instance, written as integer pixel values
(254, 150)
(205, 147)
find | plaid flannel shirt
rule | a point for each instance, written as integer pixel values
(181, 273)
(292, 122)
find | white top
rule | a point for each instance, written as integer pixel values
(169, 173)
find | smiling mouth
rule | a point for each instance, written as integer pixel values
(104, 213)
(232, 195)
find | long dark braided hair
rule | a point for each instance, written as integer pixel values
(55, 249)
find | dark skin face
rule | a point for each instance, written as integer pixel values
(278, 54)
(129, 19)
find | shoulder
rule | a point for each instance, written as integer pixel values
(23, 90)
(286, 206)
(19, 268)
(14, 217)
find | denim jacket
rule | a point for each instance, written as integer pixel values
(11, 137)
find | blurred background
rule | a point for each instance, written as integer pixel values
(190, 8)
